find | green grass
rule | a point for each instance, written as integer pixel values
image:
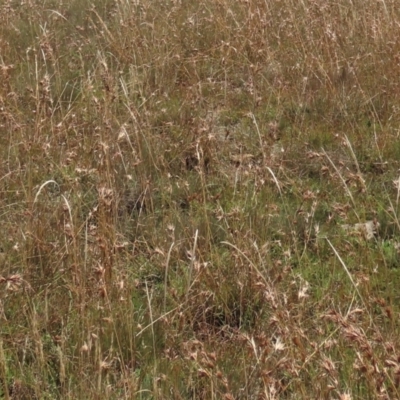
(180, 185)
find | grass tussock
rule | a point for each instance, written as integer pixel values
(199, 200)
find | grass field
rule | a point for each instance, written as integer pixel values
(199, 200)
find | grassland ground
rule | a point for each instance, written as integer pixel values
(199, 200)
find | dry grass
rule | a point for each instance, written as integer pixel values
(174, 182)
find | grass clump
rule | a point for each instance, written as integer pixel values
(199, 200)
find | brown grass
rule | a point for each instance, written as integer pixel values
(178, 187)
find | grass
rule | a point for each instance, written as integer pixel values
(184, 189)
